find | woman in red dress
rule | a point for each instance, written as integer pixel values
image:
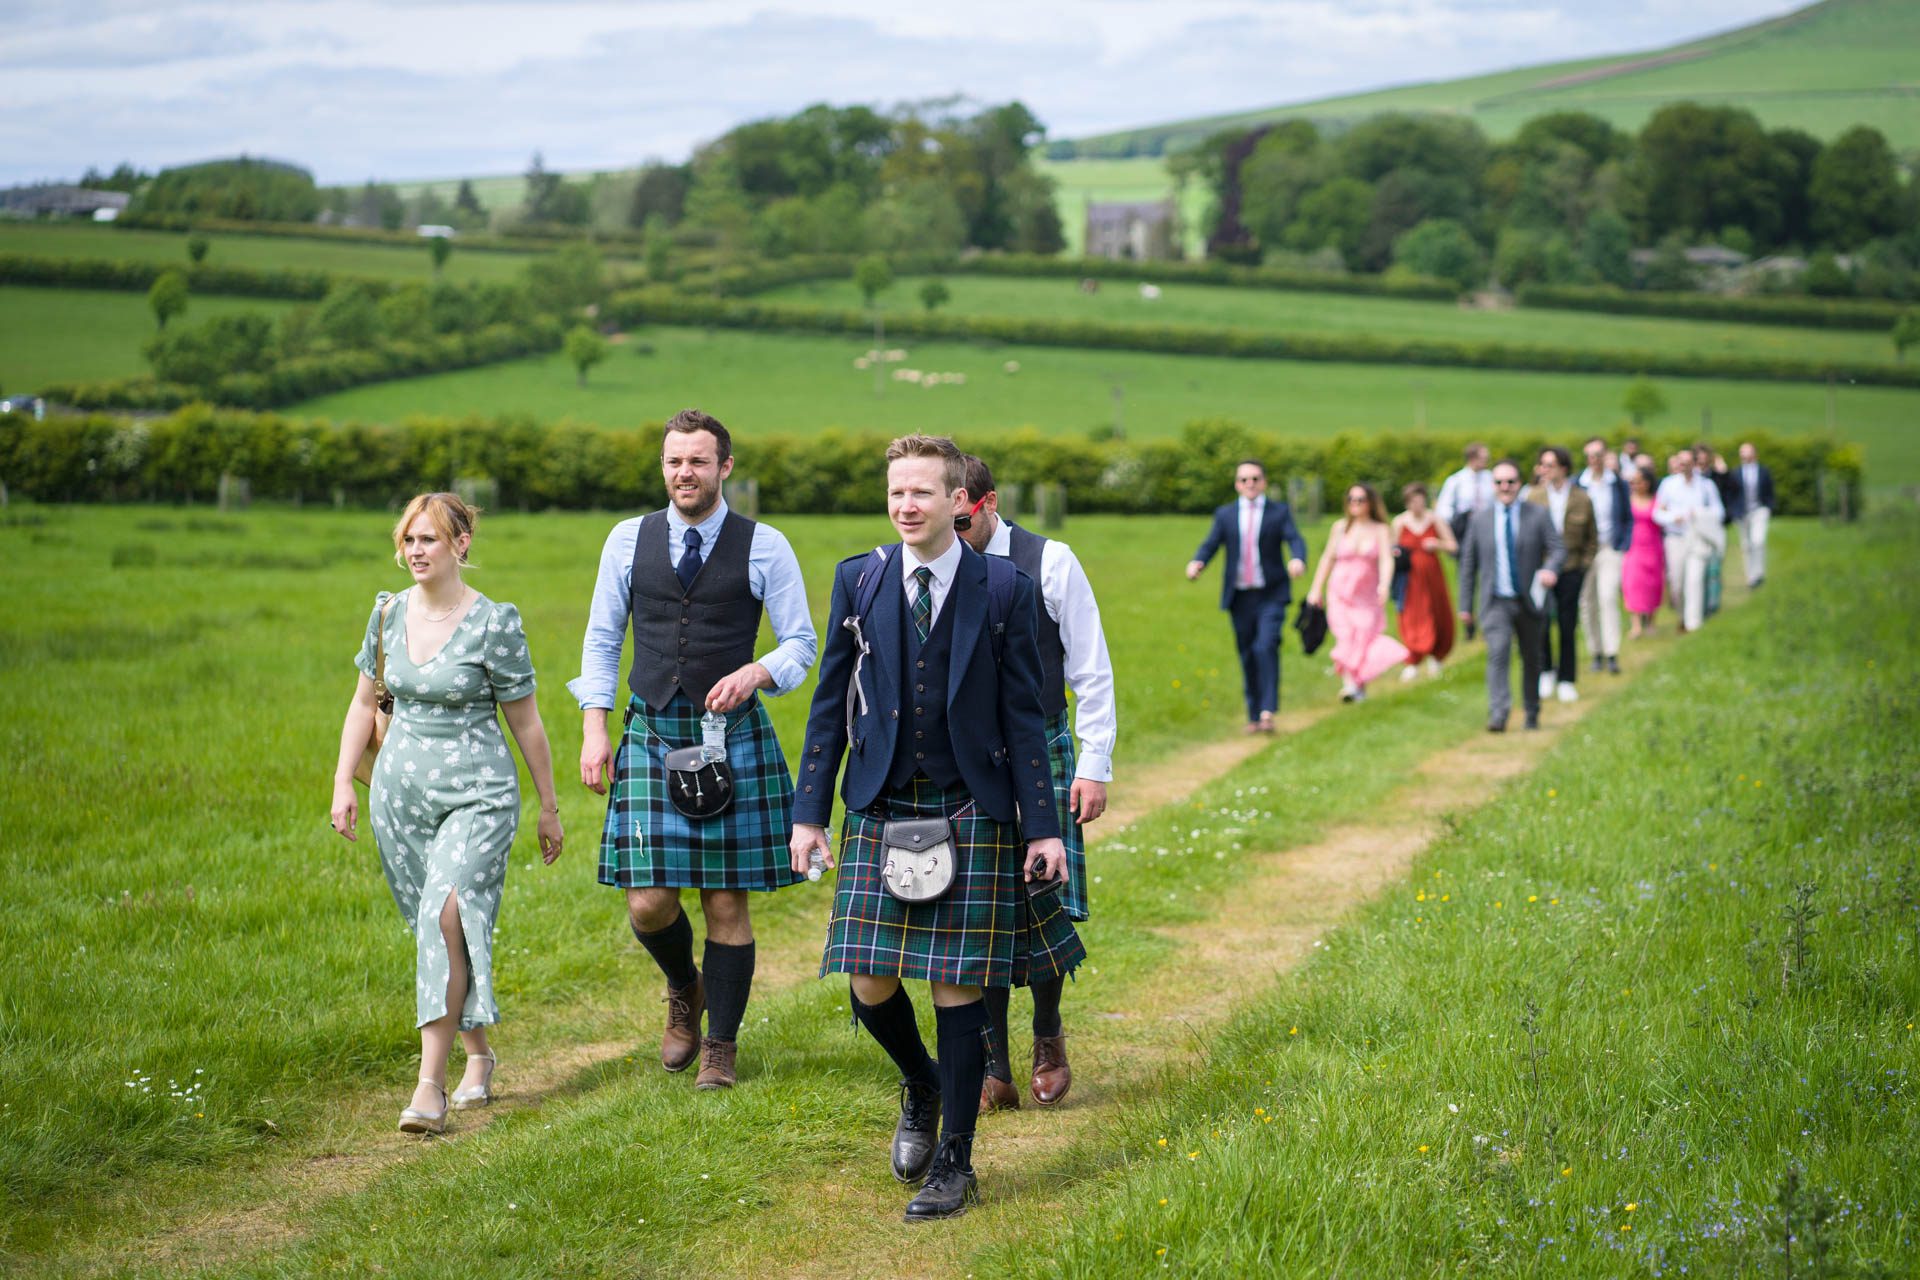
(1426, 615)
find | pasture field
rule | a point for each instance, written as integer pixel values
(180, 909)
(1080, 181)
(402, 264)
(803, 383)
(177, 901)
(1120, 302)
(72, 335)
(1823, 68)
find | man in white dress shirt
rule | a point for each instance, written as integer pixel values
(1750, 505)
(1073, 656)
(1687, 506)
(1466, 491)
(1606, 488)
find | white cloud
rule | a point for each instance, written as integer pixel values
(355, 88)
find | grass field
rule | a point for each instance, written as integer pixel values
(67, 335)
(1120, 302)
(175, 896)
(178, 908)
(1823, 68)
(1080, 181)
(796, 383)
(389, 262)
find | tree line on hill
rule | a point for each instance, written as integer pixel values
(1565, 201)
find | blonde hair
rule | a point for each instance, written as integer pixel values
(450, 517)
(940, 447)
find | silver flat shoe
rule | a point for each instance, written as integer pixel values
(413, 1120)
(478, 1095)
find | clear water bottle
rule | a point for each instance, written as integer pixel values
(816, 864)
(713, 736)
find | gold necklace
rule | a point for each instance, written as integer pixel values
(428, 617)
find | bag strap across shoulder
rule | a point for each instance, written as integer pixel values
(381, 694)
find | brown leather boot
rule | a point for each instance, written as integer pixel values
(680, 1043)
(997, 1094)
(716, 1064)
(1052, 1077)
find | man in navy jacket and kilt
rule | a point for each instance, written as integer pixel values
(1073, 655)
(935, 705)
(691, 581)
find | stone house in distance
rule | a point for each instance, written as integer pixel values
(1136, 230)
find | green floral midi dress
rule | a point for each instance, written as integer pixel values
(445, 799)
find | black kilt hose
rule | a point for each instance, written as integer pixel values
(966, 937)
(647, 843)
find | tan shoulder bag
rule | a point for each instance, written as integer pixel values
(382, 700)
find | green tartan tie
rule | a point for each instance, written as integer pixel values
(923, 603)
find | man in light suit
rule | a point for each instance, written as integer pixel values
(1613, 525)
(1750, 505)
(1511, 548)
(1256, 587)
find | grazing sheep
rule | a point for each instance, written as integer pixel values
(1011, 366)
(1150, 291)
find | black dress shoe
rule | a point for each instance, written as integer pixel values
(915, 1137)
(950, 1187)
(1613, 665)
(1599, 663)
(1496, 726)
(1533, 719)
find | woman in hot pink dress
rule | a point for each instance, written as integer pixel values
(1643, 571)
(1354, 577)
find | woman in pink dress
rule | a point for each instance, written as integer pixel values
(1643, 571)
(1352, 582)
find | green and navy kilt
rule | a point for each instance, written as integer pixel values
(647, 843)
(967, 936)
(1060, 756)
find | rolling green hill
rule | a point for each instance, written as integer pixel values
(1822, 68)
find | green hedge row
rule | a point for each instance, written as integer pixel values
(311, 376)
(527, 241)
(205, 278)
(181, 457)
(757, 277)
(1812, 313)
(665, 306)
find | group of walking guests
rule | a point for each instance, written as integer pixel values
(943, 684)
(1539, 562)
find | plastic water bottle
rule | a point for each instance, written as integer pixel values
(816, 864)
(713, 736)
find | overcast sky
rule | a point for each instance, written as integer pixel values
(405, 90)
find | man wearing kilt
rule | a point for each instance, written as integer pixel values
(935, 702)
(1073, 655)
(691, 580)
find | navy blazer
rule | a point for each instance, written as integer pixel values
(1277, 535)
(1622, 527)
(1000, 740)
(1734, 491)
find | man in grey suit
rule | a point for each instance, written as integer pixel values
(1510, 548)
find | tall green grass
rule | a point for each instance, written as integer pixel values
(1652, 1011)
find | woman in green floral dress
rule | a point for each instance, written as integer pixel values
(445, 796)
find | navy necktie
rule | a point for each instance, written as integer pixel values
(690, 560)
(1513, 556)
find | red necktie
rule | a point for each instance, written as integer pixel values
(1249, 547)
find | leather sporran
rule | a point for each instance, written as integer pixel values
(920, 864)
(698, 786)
(382, 702)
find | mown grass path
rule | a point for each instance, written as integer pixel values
(1160, 982)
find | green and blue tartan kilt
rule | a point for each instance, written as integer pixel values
(1060, 755)
(1049, 946)
(967, 936)
(647, 843)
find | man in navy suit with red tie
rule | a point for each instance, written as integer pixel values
(1256, 533)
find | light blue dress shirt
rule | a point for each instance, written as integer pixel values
(1505, 584)
(773, 575)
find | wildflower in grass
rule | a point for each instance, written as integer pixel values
(1631, 1206)
(1293, 1031)
(1423, 1149)
(1163, 1142)
(1446, 897)
(1163, 1200)
(1567, 1172)
(1533, 897)
(1193, 1155)
(1421, 896)
(1259, 1111)
(1552, 792)
(1496, 905)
